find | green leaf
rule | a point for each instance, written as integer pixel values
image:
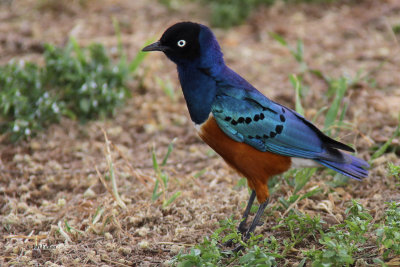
(156, 167)
(172, 199)
(297, 87)
(155, 195)
(339, 87)
(302, 177)
(385, 146)
(84, 104)
(300, 51)
(170, 148)
(140, 56)
(278, 38)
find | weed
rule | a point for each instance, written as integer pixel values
(25, 107)
(379, 152)
(341, 244)
(297, 179)
(199, 173)
(343, 241)
(301, 227)
(81, 83)
(162, 178)
(388, 231)
(298, 88)
(209, 253)
(111, 171)
(71, 229)
(257, 256)
(396, 28)
(339, 87)
(394, 170)
(297, 53)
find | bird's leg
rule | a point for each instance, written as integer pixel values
(242, 226)
(256, 220)
(254, 224)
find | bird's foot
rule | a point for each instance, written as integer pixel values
(238, 248)
(242, 229)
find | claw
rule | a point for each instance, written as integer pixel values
(238, 248)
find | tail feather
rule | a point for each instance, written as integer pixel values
(352, 167)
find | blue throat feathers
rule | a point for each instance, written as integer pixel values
(197, 77)
(199, 90)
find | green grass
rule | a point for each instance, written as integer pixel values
(388, 232)
(339, 245)
(385, 147)
(80, 83)
(162, 178)
(337, 89)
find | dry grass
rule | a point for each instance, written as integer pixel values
(51, 192)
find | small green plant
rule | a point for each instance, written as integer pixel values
(301, 227)
(298, 89)
(162, 178)
(257, 256)
(388, 231)
(336, 88)
(382, 150)
(297, 179)
(394, 170)
(25, 106)
(297, 52)
(86, 76)
(339, 245)
(209, 253)
(396, 28)
(81, 83)
(343, 241)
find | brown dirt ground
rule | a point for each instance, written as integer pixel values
(51, 178)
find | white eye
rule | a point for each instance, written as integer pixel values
(181, 43)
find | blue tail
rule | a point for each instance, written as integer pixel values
(352, 167)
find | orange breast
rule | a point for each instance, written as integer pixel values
(255, 165)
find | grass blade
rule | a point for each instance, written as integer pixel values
(170, 148)
(171, 199)
(297, 87)
(278, 38)
(140, 56)
(340, 87)
(386, 145)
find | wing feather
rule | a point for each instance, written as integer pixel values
(268, 126)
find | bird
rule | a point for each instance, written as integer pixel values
(256, 136)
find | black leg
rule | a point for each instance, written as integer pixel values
(253, 225)
(242, 226)
(256, 220)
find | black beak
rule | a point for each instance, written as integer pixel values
(154, 47)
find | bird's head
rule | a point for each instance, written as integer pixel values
(187, 42)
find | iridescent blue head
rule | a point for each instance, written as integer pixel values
(188, 42)
(196, 52)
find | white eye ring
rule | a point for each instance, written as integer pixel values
(181, 43)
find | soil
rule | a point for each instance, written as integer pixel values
(50, 183)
